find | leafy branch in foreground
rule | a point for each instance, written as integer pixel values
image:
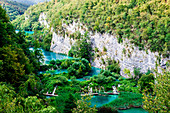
(158, 101)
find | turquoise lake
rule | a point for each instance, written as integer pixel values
(101, 100)
(26, 32)
(96, 100)
(48, 56)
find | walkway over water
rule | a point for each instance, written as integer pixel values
(96, 100)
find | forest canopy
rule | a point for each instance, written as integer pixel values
(144, 22)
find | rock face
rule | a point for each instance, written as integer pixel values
(42, 19)
(60, 44)
(128, 55)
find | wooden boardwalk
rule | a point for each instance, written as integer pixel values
(108, 93)
(49, 94)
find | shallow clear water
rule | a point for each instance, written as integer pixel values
(29, 32)
(48, 56)
(101, 100)
(96, 100)
(55, 71)
(133, 110)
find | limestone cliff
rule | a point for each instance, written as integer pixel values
(128, 55)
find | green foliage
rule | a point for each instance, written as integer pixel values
(31, 87)
(120, 78)
(137, 73)
(50, 82)
(101, 80)
(12, 69)
(105, 109)
(16, 59)
(81, 49)
(113, 66)
(76, 66)
(11, 102)
(115, 75)
(158, 100)
(104, 49)
(46, 43)
(7, 94)
(13, 8)
(126, 100)
(79, 69)
(33, 104)
(83, 106)
(145, 22)
(107, 73)
(145, 82)
(129, 86)
(69, 104)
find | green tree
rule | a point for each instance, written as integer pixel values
(137, 74)
(69, 104)
(33, 104)
(7, 99)
(158, 101)
(84, 107)
(12, 70)
(81, 49)
(107, 73)
(145, 80)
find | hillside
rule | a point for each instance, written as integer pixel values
(145, 22)
(13, 8)
(30, 2)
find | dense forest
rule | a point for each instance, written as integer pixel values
(30, 2)
(13, 8)
(144, 22)
(24, 89)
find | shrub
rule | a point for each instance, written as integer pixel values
(104, 49)
(126, 100)
(145, 80)
(114, 68)
(120, 78)
(107, 73)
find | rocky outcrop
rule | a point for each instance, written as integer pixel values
(128, 55)
(42, 20)
(60, 44)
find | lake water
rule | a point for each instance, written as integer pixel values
(48, 56)
(133, 110)
(96, 100)
(26, 32)
(101, 100)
